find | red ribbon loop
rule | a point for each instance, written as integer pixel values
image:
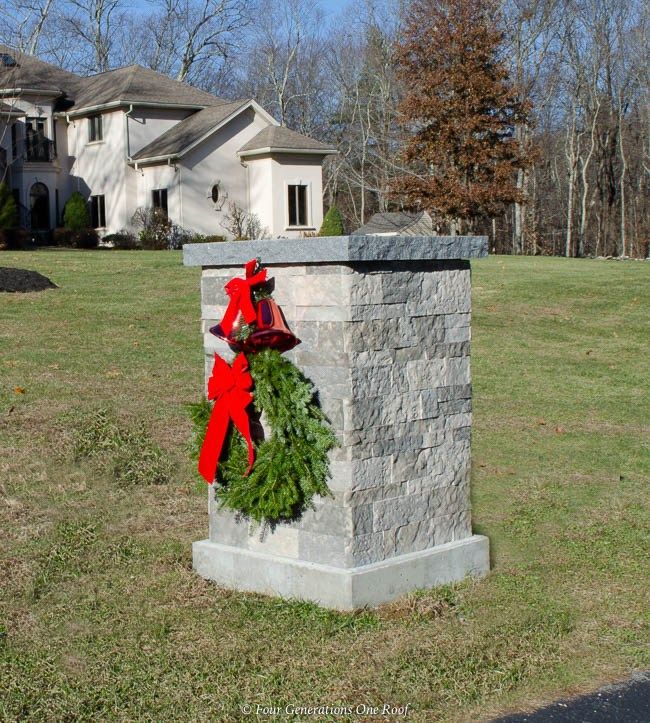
(230, 388)
(239, 291)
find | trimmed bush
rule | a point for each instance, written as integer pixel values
(332, 223)
(63, 237)
(14, 238)
(85, 238)
(75, 213)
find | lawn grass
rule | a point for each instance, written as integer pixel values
(102, 617)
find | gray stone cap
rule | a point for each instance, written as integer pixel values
(336, 249)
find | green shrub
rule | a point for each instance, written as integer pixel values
(8, 208)
(332, 223)
(75, 214)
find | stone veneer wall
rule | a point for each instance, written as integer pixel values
(387, 346)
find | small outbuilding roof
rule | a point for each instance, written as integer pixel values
(402, 223)
(189, 132)
(278, 139)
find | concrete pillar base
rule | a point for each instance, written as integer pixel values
(341, 588)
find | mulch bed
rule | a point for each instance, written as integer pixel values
(23, 280)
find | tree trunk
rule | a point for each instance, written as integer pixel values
(623, 240)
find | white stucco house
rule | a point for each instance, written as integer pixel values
(132, 139)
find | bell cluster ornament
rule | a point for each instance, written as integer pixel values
(253, 320)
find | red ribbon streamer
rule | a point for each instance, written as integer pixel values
(239, 291)
(230, 388)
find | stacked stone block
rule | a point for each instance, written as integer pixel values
(387, 347)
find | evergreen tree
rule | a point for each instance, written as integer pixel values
(459, 111)
(75, 214)
(8, 208)
(332, 223)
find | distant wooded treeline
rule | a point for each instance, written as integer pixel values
(582, 63)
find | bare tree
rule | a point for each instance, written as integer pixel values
(91, 25)
(364, 124)
(531, 31)
(283, 64)
(184, 34)
(23, 22)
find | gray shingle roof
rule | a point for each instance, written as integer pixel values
(174, 141)
(131, 84)
(137, 84)
(403, 223)
(30, 72)
(279, 137)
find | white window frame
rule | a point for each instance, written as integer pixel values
(103, 207)
(309, 225)
(90, 127)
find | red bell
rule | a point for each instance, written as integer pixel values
(271, 330)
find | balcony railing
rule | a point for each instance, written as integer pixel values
(39, 149)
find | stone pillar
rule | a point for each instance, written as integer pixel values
(385, 329)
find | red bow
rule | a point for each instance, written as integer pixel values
(230, 388)
(239, 291)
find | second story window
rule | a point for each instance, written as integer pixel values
(98, 211)
(95, 129)
(159, 198)
(297, 205)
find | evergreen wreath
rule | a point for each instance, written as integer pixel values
(291, 466)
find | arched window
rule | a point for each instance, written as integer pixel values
(39, 204)
(215, 193)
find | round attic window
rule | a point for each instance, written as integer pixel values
(215, 193)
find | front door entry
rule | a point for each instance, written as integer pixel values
(39, 204)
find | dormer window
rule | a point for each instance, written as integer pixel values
(95, 129)
(7, 61)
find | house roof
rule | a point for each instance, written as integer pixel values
(189, 131)
(402, 223)
(135, 84)
(132, 84)
(34, 74)
(280, 139)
